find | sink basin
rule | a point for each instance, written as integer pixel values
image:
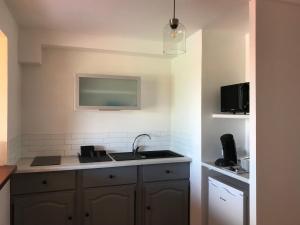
(124, 156)
(159, 154)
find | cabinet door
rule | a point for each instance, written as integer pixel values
(107, 92)
(44, 209)
(166, 203)
(110, 205)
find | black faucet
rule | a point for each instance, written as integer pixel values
(135, 150)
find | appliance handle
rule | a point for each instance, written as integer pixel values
(213, 184)
(229, 192)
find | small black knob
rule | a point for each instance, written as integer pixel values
(223, 199)
(148, 207)
(44, 182)
(70, 218)
(111, 176)
(87, 215)
(168, 171)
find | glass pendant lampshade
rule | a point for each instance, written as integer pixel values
(174, 37)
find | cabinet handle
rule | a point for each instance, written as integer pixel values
(168, 171)
(223, 199)
(44, 182)
(148, 207)
(70, 218)
(87, 215)
(229, 192)
(112, 176)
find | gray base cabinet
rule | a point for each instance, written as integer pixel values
(134, 195)
(110, 205)
(44, 209)
(167, 203)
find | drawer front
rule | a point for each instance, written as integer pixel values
(109, 176)
(162, 172)
(42, 182)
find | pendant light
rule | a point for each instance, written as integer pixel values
(174, 36)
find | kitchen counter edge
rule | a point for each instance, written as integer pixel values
(72, 163)
(5, 174)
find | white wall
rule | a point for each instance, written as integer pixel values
(48, 98)
(10, 29)
(32, 41)
(225, 60)
(277, 112)
(3, 97)
(223, 64)
(251, 40)
(186, 114)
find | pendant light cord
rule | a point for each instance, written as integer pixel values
(174, 9)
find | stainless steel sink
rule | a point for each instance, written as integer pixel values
(124, 156)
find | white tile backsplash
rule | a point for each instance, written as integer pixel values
(69, 144)
(14, 149)
(74, 141)
(42, 153)
(44, 142)
(184, 142)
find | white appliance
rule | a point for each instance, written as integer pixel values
(227, 205)
(245, 163)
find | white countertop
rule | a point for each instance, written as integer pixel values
(242, 177)
(72, 163)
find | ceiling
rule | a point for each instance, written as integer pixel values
(127, 18)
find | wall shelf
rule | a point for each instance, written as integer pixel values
(242, 177)
(231, 116)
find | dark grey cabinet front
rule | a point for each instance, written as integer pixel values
(44, 209)
(110, 205)
(166, 203)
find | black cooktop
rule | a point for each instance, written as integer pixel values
(46, 161)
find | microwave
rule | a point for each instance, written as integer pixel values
(235, 98)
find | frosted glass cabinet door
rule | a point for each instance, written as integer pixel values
(108, 92)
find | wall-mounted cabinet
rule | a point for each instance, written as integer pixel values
(103, 92)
